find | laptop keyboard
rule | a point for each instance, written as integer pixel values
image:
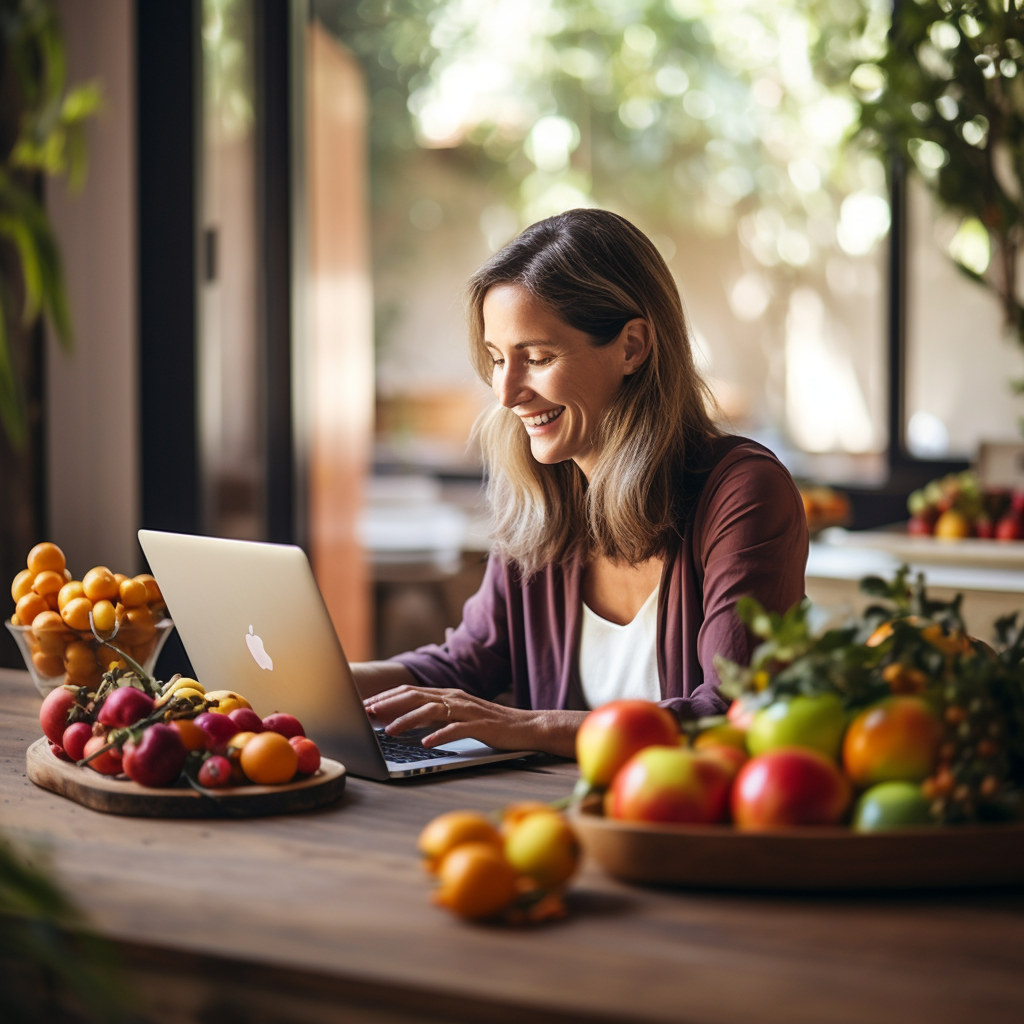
(405, 751)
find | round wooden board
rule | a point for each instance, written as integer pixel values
(122, 796)
(834, 858)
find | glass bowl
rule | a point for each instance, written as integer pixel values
(53, 658)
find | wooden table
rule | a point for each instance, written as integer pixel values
(326, 917)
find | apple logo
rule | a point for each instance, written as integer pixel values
(255, 645)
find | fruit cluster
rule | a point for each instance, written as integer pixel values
(514, 870)
(957, 506)
(59, 611)
(899, 719)
(153, 733)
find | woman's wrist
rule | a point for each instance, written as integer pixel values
(553, 732)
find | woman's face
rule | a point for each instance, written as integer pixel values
(552, 376)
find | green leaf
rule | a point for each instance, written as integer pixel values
(12, 402)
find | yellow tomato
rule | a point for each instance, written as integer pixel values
(48, 582)
(543, 847)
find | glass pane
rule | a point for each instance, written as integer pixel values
(960, 360)
(230, 381)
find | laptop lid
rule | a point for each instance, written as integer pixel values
(252, 619)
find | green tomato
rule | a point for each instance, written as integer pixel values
(816, 723)
(891, 805)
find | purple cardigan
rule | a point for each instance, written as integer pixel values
(748, 535)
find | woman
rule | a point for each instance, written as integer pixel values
(625, 524)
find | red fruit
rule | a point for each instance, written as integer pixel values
(246, 719)
(613, 733)
(58, 751)
(287, 725)
(732, 759)
(741, 714)
(789, 786)
(984, 527)
(215, 772)
(1010, 527)
(124, 707)
(53, 714)
(919, 526)
(669, 784)
(75, 738)
(109, 762)
(220, 728)
(157, 759)
(1017, 502)
(309, 754)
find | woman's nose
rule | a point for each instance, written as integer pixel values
(510, 386)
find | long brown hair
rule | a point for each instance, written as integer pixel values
(596, 272)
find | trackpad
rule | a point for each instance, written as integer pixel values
(466, 746)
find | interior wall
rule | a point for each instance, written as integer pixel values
(92, 420)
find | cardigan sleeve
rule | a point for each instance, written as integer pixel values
(475, 656)
(750, 538)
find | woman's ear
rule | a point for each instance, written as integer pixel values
(637, 340)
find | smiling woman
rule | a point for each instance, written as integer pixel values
(625, 524)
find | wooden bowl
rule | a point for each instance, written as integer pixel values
(819, 858)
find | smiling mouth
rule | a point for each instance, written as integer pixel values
(544, 417)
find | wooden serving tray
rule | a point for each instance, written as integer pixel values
(119, 795)
(819, 858)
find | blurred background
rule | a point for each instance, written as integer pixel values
(268, 209)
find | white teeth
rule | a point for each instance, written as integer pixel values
(544, 417)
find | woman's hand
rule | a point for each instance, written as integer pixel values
(453, 714)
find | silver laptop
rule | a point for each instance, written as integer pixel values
(252, 620)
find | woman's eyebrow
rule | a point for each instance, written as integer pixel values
(521, 344)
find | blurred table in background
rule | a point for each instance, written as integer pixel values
(990, 574)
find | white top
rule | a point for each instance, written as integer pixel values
(618, 662)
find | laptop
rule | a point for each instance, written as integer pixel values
(252, 619)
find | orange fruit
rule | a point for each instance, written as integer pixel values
(543, 847)
(268, 759)
(133, 593)
(446, 831)
(46, 556)
(70, 590)
(22, 584)
(99, 584)
(48, 582)
(153, 594)
(103, 617)
(476, 881)
(29, 607)
(76, 613)
(80, 662)
(49, 630)
(512, 814)
(191, 735)
(49, 665)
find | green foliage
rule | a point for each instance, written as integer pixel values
(947, 97)
(682, 114)
(46, 954)
(49, 140)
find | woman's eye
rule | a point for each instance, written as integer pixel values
(498, 362)
(543, 361)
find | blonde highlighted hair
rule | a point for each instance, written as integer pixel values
(596, 272)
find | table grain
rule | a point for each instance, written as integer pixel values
(326, 916)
